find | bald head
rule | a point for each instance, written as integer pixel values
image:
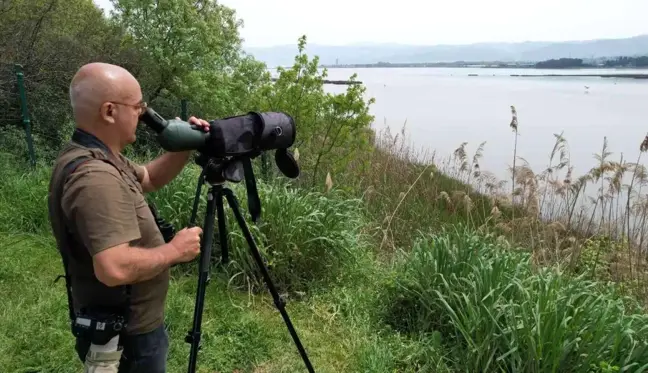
(106, 100)
(96, 83)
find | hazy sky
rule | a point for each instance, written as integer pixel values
(273, 22)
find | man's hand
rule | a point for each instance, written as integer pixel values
(187, 244)
(201, 123)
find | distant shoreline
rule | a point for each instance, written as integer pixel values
(623, 76)
(451, 66)
(603, 75)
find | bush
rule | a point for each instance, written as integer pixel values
(23, 197)
(497, 314)
(307, 238)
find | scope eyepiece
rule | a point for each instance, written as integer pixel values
(153, 120)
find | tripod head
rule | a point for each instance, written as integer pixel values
(217, 171)
(221, 170)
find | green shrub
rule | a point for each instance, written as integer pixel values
(595, 256)
(307, 238)
(23, 197)
(497, 314)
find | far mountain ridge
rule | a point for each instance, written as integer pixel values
(367, 53)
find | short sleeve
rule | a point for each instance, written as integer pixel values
(99, 206)
(139, 169)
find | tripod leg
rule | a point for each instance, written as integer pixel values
(222, 229)
(194, 210)
(279, 303)
(193, 337)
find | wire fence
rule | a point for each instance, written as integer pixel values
(26, 140)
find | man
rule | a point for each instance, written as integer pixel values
(100, 217)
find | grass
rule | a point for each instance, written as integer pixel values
(321, 248)
(240, 332)
(403, 263)
(496, 313)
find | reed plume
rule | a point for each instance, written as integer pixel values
(514, 127)
(643, 147)
(462, 157)
(555, 211)
(328, 182)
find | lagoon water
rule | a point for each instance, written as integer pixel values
(443, 107)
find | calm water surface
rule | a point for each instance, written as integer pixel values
(444, 107)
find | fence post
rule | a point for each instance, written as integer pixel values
(183, 109)
(265, 167)
(25, 114)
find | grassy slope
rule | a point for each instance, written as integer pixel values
(403, 314)
(240, 331)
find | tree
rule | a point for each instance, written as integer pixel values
(188, 44)
(331, 128)
(51, 39)
(191, 50)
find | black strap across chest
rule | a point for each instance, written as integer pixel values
(89, 141)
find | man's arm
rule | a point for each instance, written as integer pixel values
(125, 264)
(160, 171)
(166, 167)
(101, 208)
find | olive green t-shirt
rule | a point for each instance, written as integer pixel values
(105, 207)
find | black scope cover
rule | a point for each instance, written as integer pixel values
(249, 134)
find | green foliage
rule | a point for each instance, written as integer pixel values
(596, 254)
(175, 200)
(199, 59)
(332, 129)
(51, 39)
(178, 38)
(604, 367)
(393, 353)
(23, 197)
(496, 313)
(307, 238)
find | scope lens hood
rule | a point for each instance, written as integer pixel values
(286, 163)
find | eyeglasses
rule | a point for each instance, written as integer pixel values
(141, 106)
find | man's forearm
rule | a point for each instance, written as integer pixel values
(144, 264)
(126, 264)
(164, 168)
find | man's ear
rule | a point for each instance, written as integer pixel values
(107, 112)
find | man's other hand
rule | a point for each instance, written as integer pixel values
(187, 244)
(201, 123)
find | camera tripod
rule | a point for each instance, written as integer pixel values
(212, 174)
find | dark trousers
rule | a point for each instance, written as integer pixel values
(142, 353)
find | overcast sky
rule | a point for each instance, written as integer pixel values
(340, 22)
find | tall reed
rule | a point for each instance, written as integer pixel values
(554, 213)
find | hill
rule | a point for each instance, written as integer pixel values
(507, 52)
